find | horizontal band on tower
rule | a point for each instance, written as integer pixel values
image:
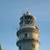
(27, 39)
(27, 30)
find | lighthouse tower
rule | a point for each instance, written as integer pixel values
(28, 33)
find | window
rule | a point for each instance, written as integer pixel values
(20, 47)
(27, 22)
(21, 18)
(33, 46)
(25, 35)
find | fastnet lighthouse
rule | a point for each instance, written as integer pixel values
(28, 33)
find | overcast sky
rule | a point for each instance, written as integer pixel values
(10, 13)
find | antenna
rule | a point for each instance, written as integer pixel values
(29, 9)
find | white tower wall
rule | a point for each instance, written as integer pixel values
(29, 35)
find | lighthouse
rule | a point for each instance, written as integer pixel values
(28, 33)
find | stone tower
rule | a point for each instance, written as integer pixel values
(28, 33)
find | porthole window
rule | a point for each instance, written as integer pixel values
(20, 47)
(33, 46)
(25, 35)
